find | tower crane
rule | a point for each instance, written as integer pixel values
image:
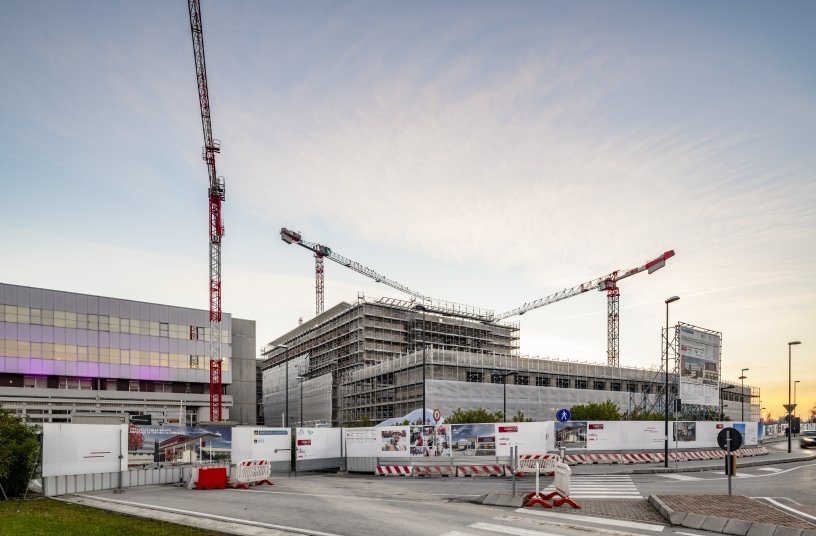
(215, 193)
(419, 301)
(607, 283)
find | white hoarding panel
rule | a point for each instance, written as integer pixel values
(530, 437)
(318, 443)
(606, 435)
(254, 443)
(81, 449)
(699, 353)
(362, 442)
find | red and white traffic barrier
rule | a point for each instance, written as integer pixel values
(482, 470)
(394, 470)
(252, 473)
(434, 470)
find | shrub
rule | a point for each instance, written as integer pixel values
(19, 450)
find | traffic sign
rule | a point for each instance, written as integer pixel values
(731, 434)
(563, 415)
(437, 415)
(789, 407)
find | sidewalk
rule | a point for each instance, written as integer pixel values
(691, 466)
(730, 515)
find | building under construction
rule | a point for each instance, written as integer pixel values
(364, 362)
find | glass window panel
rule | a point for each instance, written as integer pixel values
(59, 322)
(59, 314)
(36, 349)
(70, 316)
(154, 359)
(125, 357)
(11, 309)
(48, 350)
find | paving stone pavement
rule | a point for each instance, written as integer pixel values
(734, 507)
(633, 510)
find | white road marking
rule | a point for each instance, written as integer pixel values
(686, 533)
(680, 477)
(515, 531)
(212, 516)
(333, 495)
(456, 533)
(770, 469)
(780, 505)
(599, 520)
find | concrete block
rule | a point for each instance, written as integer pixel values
(738, 527)
(761, 529)
(787, 531)
(809, 532)
(519, 500)
(714, 523)
(504, 499)
(676, 518)
(491, 499)
(694, 521)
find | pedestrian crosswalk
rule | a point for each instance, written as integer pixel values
(600, 487)
(562, 523)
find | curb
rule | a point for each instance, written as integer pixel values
(501, 499)
(720, 466)
(737, 527)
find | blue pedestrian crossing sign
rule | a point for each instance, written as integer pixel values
(563, 415)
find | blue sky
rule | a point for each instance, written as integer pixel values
(483, 152)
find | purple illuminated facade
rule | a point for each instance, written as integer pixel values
(124, 355)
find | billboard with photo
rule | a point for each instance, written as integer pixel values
(699, 353)
(430, 441)
(393, 441)
(182, 444)
(571, 434)
(473, 439)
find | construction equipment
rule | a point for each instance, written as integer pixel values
(216, 196)
(418, 301)
(608, 283)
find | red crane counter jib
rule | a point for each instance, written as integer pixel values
(215, 194)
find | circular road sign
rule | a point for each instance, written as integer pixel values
(736, 439)
(563, 415)
(437, 415)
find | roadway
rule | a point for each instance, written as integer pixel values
(368, 505)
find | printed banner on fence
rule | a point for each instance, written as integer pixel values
(182, 444)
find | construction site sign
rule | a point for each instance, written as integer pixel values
(698, 350)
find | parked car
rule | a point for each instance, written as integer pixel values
(807, 439)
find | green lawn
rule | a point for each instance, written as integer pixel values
(47, 517)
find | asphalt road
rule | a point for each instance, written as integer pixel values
(368, 505)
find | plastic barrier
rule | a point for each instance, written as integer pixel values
(482, 470)
(562, 486)
(212, 478)
(394, 470)
(434, 470)
(529, 463)
(252, 472)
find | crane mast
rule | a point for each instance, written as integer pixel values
(215, 194)
(607, 283)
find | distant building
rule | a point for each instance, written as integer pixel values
(364, 361)
(64, 352)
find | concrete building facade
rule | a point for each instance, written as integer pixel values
(64, 352)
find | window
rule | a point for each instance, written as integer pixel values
(193, 361)
(474, 377)
(164, 329)
(163, 387)
(133, 386)
(543, 381)
(562, 383)
(35, 382)
(599, 385)
(646, 388)
(616, 386)
(522, 380)
(580, 384)
(495, 378)
(631, 387)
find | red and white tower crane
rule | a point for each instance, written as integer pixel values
(607, 283)
(216, 196)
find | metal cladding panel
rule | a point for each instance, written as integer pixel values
(70, 301)
(35, 298)
(60, 301)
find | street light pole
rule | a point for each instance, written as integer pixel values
(424, 337)
(790, 422)
(742, 393)
(666, 386)
(301, 378)
(504, 376)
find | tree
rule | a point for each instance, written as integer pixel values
(469, 416)
(364, 422)
(604, 411)
(19, 451)
(521, 418)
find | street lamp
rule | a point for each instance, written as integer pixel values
(722, 415)
(421, 307)
(503, 376)
(666, 386)
(286, 369)
(790, 422)
(742, 392)
(301, 378)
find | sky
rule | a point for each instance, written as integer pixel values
(488, 153)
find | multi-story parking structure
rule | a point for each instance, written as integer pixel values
(63, 353)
